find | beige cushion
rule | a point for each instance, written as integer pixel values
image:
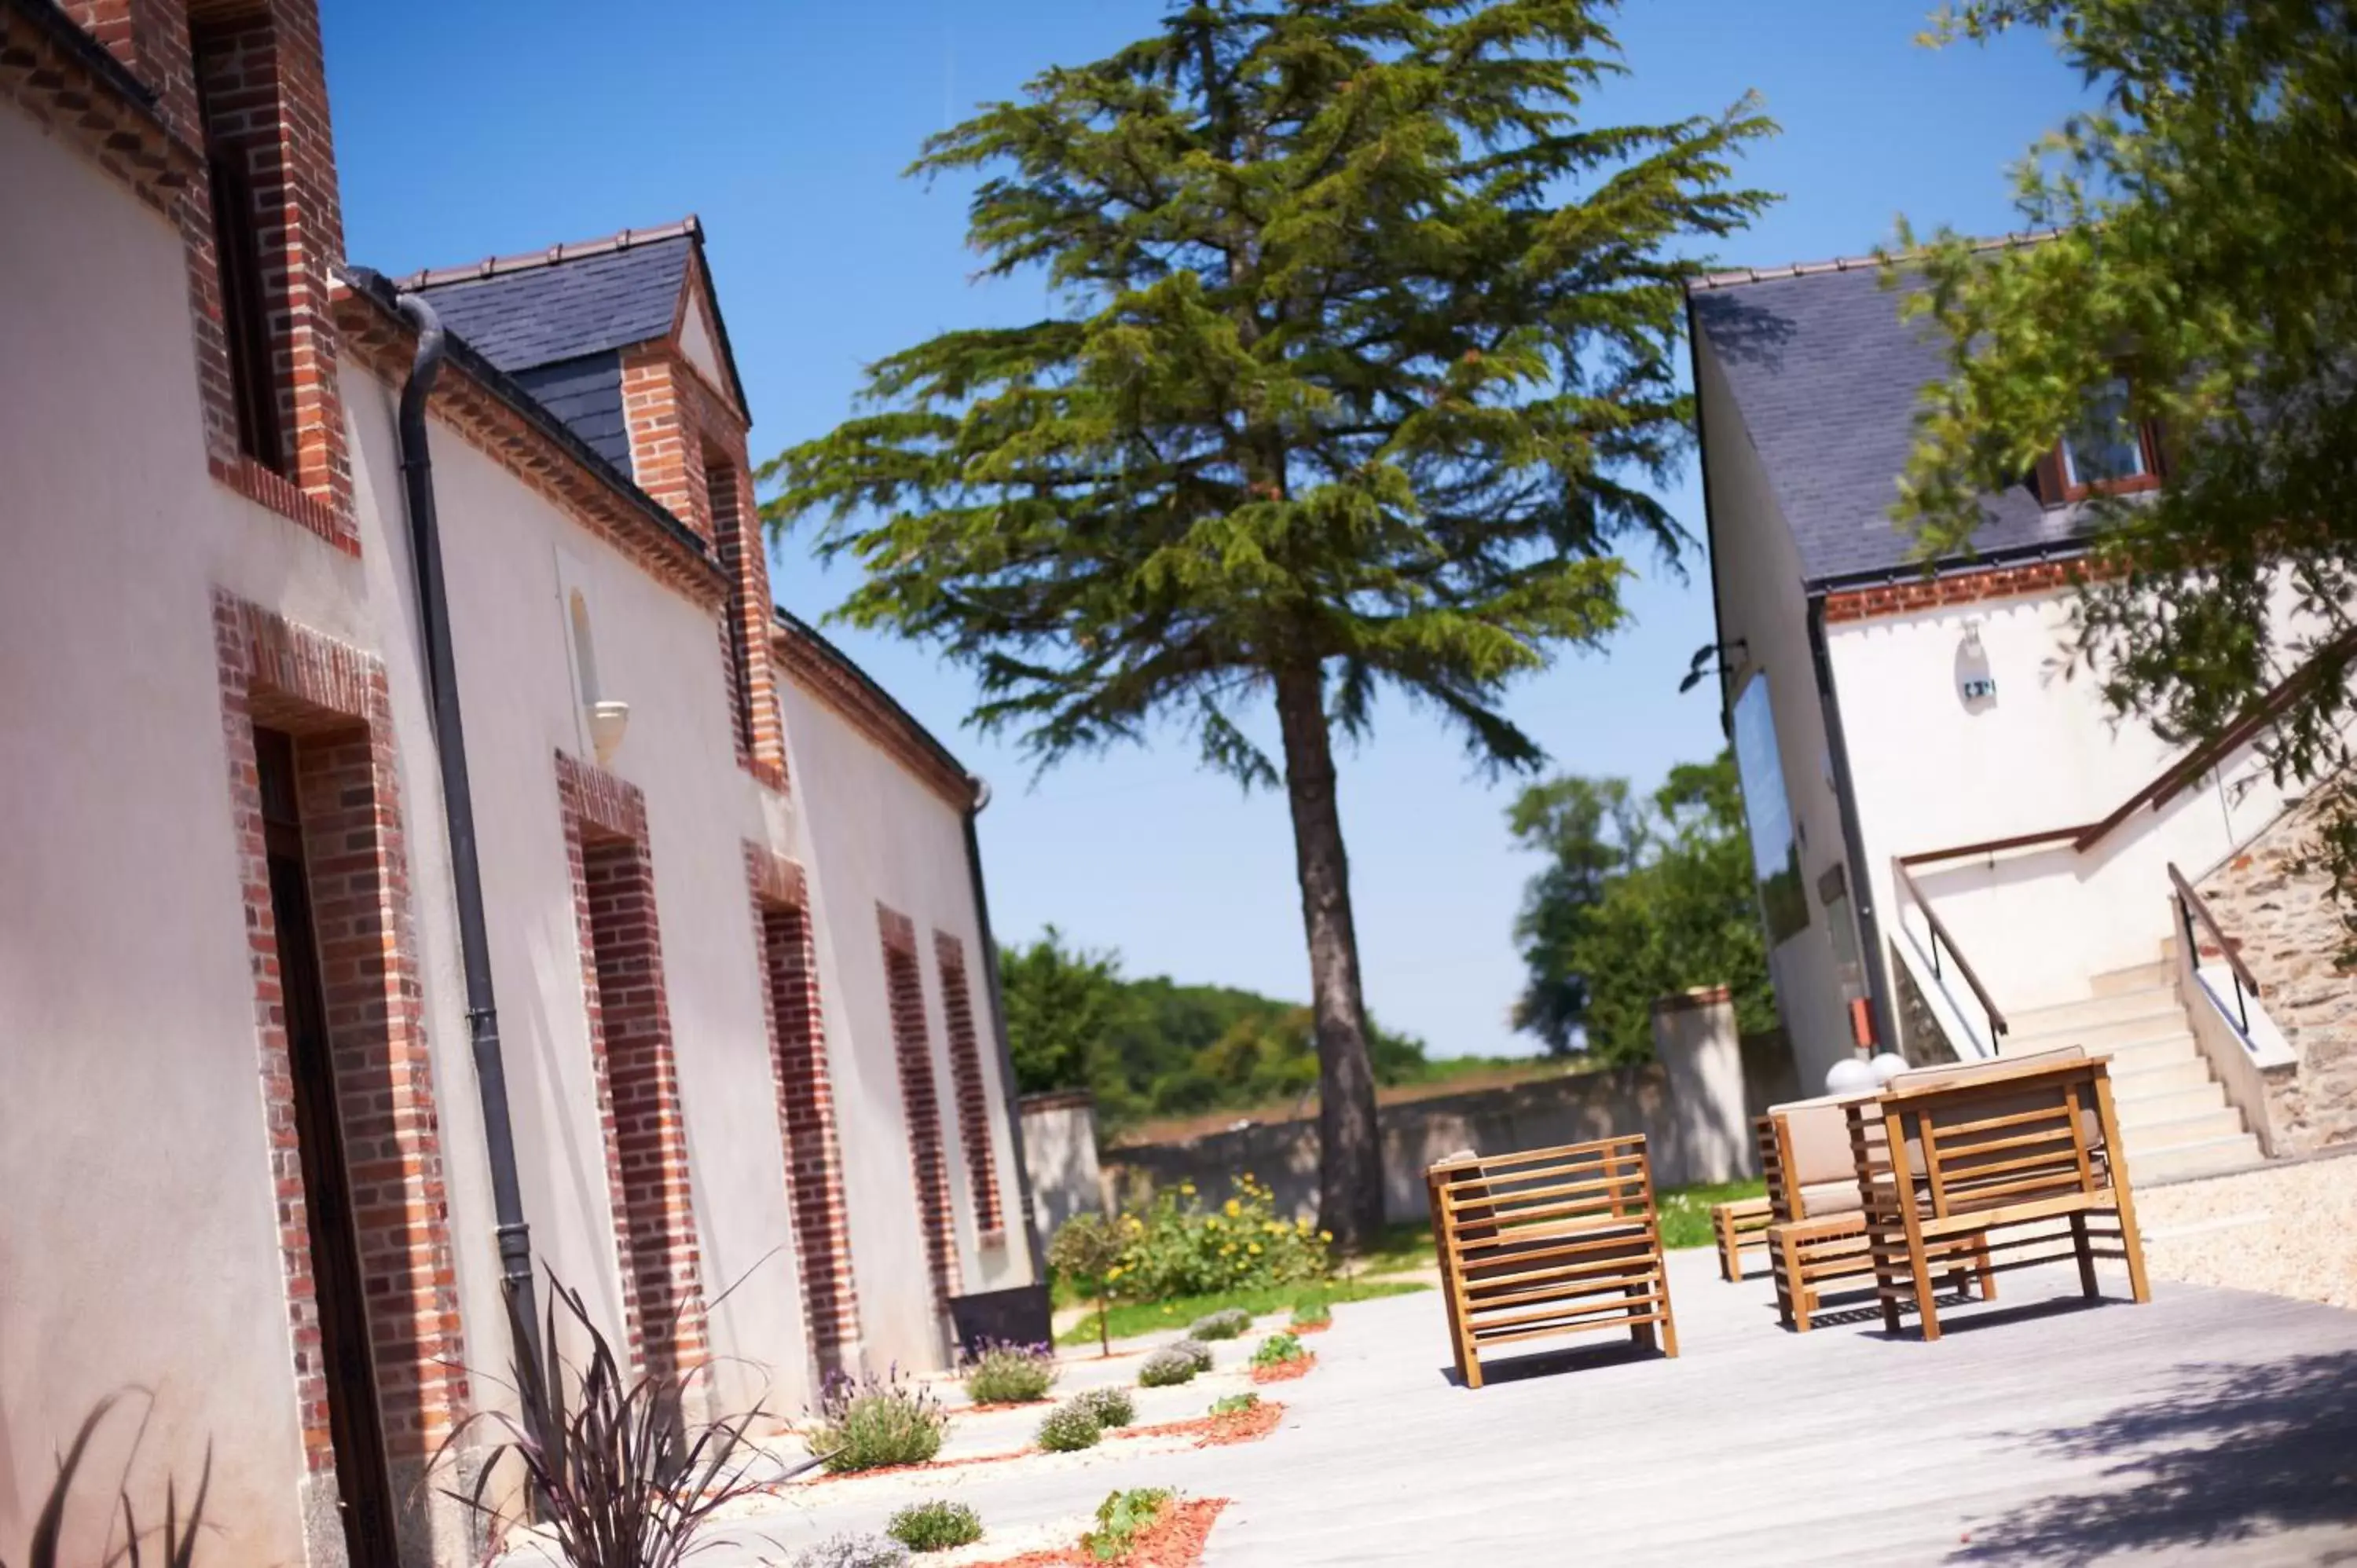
(1821, 1198)
(1817, 1132)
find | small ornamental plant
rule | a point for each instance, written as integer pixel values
(1235, 1404)
(935, 1526)
(1277, 1349)
(867, 1422)
(1166, 1368)
(1069, 1428)
(1086, 1254)
(1011, 1374)
(1112, 1407)
(1121, 1518)
(1313, 1315)
(851, 1550)
(1195, 1350)
(1228, 1323)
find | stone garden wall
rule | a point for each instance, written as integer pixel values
(2282, 917)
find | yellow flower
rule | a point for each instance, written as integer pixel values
(1253, 1248)
(1325, 1235)
(1231, 1209)
(1232, 1246)
(1212, 1223)
(1113, 1273)
(1187, 1187)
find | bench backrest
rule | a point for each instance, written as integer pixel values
(1539, 1193)
(2015, 1131)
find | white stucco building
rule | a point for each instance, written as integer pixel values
(707, 906)
(1961, 850)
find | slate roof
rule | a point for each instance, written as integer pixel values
(1825, 375)
(530, 311)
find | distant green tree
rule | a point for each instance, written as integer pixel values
(1062, 1007)
(2207, 268)
(1363, 349)
(1639, 899)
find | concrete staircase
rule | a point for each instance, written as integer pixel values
(2174, 1117)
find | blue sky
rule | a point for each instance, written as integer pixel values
(465, 130)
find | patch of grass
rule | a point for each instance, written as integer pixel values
(1112, 1407)
(1121, 1518)
(1685, 1210)
(1235, 1404)
(1279, 1347)
(1144, 1317)
(935, 1526)
(1312, 1314)
(1069, 1427)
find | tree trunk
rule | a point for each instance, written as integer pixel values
(1350, 1162)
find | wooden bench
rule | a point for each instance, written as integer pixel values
(1549, 1242)
(1817, 1234)
(1740, 1225)
(2019, 1160)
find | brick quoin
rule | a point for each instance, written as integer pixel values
(635, 1072)
(333, 699)
(815, 1191)
(920, 1103)
(972, 1096)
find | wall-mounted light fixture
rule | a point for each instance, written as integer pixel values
(1714, 659)
(1976, 684)
(608, 720)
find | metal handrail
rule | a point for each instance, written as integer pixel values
(2191, 908)
(1963, 966)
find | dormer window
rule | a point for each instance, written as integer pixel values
(2108, 452)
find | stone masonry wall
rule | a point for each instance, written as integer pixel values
(2281, 917)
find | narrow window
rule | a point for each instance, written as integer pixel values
(236, 93)
(920, 1104)
(973, 1093)
(728, 537)
(2108, 451)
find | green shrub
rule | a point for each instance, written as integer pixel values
(1195, 1350)
(1011, 1374)
(1086, 1255)
(1166, 1369)
(1121, 1518)
(1112, 1407)
(866, 1422)
(1236, 1404)
(935, 1526)
(1277, 1348)
(1228, 1323)
(1069, 1427)
(1310, 1313)
(1174, 1246)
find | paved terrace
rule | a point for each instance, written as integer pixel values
(2210, 1426)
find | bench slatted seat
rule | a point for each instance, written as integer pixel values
(1549, 1242)
(2020, 1158)
(1817, 1231)
(1739, 1225)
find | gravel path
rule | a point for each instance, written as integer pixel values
(2287, 1230)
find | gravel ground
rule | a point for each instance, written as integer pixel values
(2286, 1229)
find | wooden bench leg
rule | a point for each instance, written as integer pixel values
(1981, 1263)
(1643, 1333)
(2086, 1251)
(1787, 1283)
(1730, 1265)
(1919, 1274)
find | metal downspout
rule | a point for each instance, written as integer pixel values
(998, 1028)
(458, 807)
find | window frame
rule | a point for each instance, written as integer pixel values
(2057, 468)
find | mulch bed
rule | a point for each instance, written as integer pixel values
(1217, 1431)
(1313, 1328)
(1040, 1402)
(1174, 1541)
(824, 1477)
(1283, 1371)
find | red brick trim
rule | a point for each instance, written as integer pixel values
(592, 497)
(782, 928)
(47, 79)
(634, 1070)
(819, 670)
(1910, 595)
(259, 485)
(270, 110)
(972, 1094)
(334, 700)
(920, 1103)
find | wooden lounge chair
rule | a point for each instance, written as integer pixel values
(1740, 1225)
(1816, 1233)
(2018, 1159)
(1549, 1242)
